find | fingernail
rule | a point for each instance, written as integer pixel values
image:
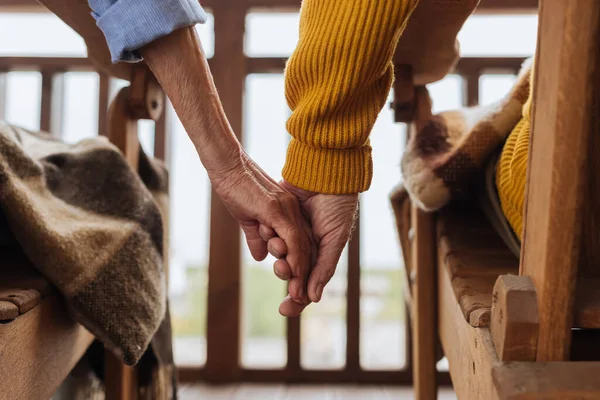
(300, 300)
(281, 276)
(319, 291)
(274, 252)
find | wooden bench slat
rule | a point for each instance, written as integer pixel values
(23, 299)
(8, 311)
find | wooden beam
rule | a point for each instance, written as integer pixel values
(565, 110)
(223, 325)
(507, 7)
(65, 64)
(279, 376)
(497, 6)
(465, 66)
(424, 326)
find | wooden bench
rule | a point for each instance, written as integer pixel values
(39, 342)
(510, 328)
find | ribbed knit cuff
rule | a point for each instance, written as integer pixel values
(329, 171)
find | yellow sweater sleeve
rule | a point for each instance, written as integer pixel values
(336, 83)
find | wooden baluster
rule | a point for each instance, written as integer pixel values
(223, 319)
(471, 89)
(353, 303)
(424, 324)
(2, 95)
(293, 344)
(161, 138)
(52, 102)
(103, 101)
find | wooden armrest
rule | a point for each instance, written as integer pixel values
(77, 14)
(428, 43)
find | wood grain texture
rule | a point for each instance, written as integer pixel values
(515, 320)
(470, 351)
(548, 381)
(24, 299)
(39, 349)
(424, 327)
(223, 320)
(474, 256)
(565, 84)
(8, 311)
(120, 380)
(122, 129)
(587, 304)
(474, 295)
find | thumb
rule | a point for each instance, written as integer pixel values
(256, 244)
(330, 250)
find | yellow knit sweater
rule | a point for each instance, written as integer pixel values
(336, 83)
(511, 171)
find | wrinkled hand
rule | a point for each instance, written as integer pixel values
(256, 200)
(332, 219)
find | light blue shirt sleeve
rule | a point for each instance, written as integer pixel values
(130, 24)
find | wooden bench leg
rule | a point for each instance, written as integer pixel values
(424, 323)
(120, 380)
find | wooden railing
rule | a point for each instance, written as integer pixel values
(224, 289)
(230, 68)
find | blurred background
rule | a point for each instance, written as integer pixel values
(272, 35)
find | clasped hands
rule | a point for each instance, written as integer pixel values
(305, 231)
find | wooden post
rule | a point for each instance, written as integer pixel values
(353, 302)
(424, 324)
(2, 94)
(565, 124)
(514, 322)
(52, 101)
(471, 91)
(103, 100)
(223, 321)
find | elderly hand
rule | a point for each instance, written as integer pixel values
(332, 219)
(249, 194)
(255, 200)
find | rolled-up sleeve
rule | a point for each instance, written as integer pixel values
(128, 25)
